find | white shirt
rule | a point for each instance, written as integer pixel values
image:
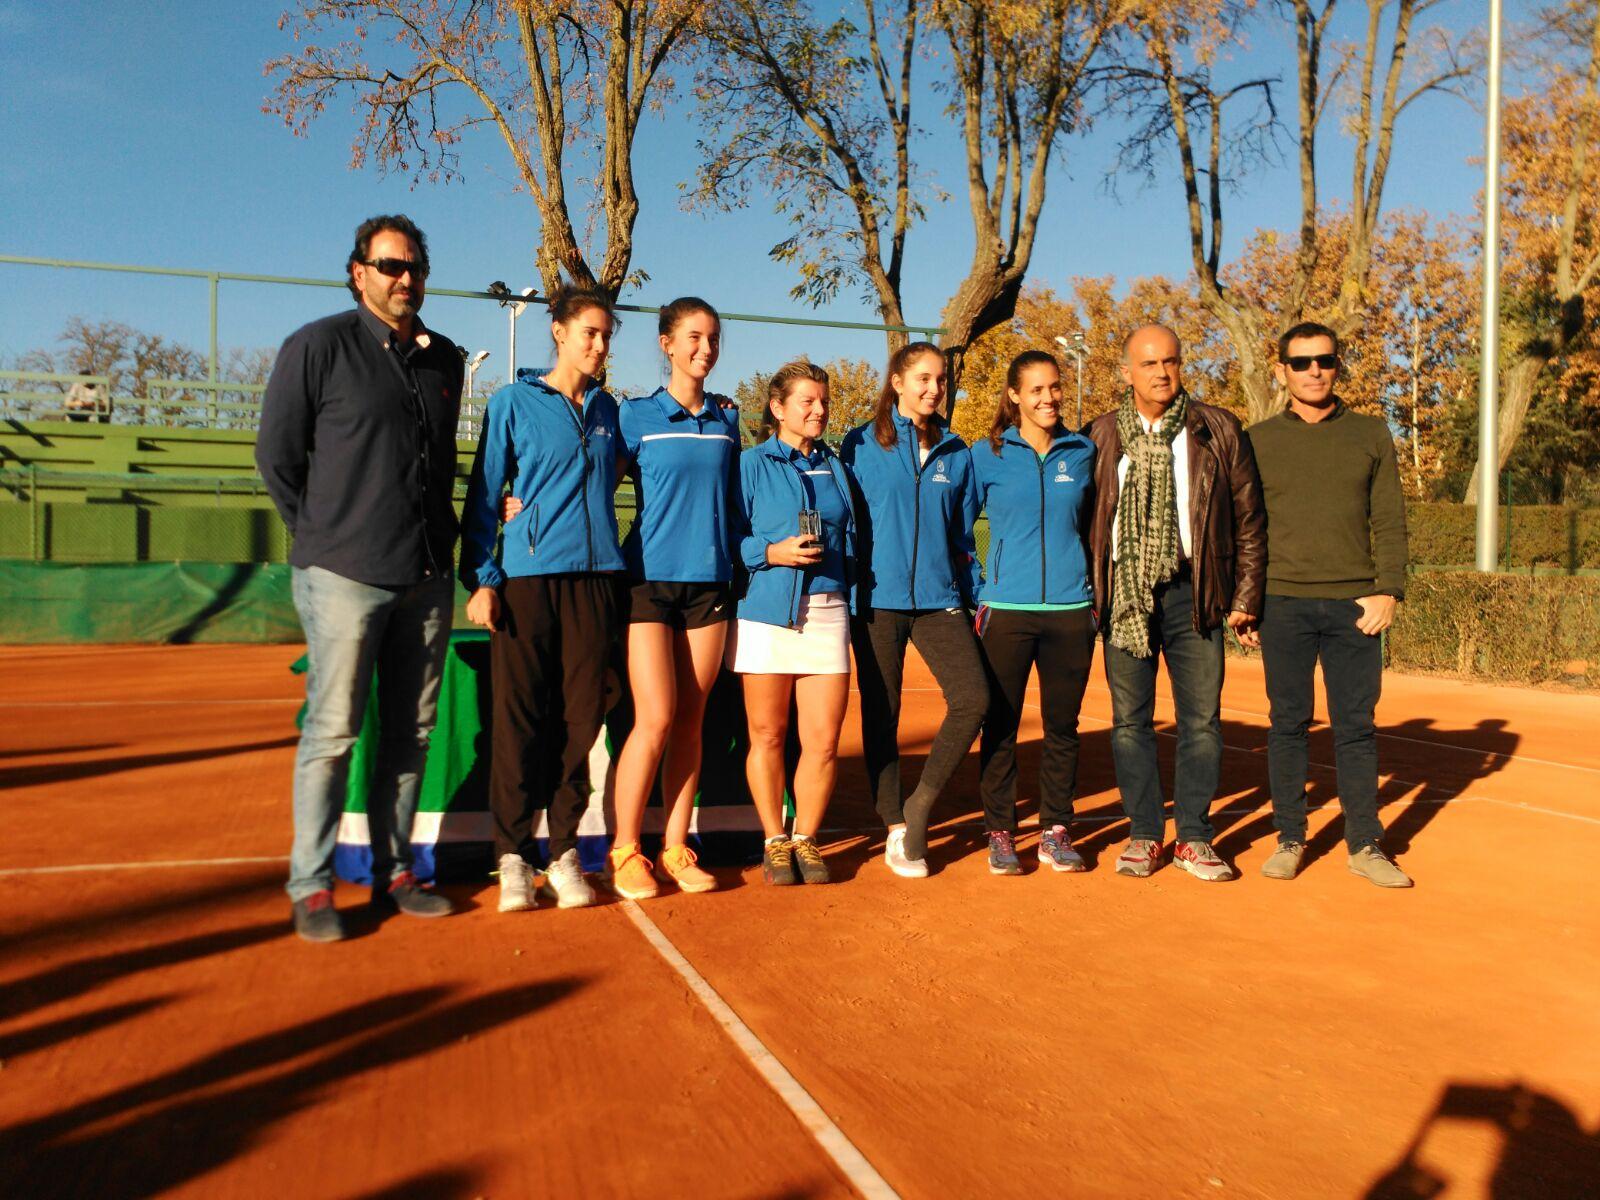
(1180, 478)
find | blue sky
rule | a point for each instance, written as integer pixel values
(134, 133)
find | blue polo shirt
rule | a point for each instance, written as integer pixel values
(685, 472)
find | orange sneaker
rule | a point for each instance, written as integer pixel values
(631, 876)
(679, 863)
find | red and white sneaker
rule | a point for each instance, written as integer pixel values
(1201, 861)
(1140, 857)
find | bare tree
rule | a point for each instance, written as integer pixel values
(543, 74)
(1172, 83)
(822, 114)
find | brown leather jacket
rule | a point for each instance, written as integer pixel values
(1227, 520)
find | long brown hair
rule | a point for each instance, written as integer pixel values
(1006, 412)
(782, 383)
(899, 362)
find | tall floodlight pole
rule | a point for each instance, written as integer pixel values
(1077, 349)
(515, 309)
(1489, 365)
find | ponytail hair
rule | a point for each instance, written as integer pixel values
(673, 314)
(1006, 413)
(899, 362)
(783, 382)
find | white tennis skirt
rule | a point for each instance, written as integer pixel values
(820, 646)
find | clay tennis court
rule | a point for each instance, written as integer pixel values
(163, 1032)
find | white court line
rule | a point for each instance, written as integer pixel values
(861, 1173)
(146, 866)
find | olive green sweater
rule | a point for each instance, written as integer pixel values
(1336, 519)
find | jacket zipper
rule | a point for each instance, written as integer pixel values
(1043, 551)
(583, 482)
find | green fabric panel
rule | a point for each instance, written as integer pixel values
(1034, 607)
(45, 603)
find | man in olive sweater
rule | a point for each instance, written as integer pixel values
(1336, 568)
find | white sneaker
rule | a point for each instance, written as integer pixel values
(564, 880)
(516, 884)
(894, 857)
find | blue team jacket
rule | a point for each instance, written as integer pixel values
(916, 545)
(685, 474)
(562, 467)
(771, 495)
(1038, 519)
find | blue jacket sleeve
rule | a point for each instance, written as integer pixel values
(752, 549)
(288, 418)
(963, 548)
(480, 514)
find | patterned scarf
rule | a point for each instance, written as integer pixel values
(1148, 545)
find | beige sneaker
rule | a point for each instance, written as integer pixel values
(1377, 867)
(1284, 862)
(678, 864)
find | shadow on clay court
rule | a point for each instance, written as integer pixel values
(1544, 1154)
(442, 1183)
(67, 980)
(145, 1138)
(52, 751)
(70, 772)
(39, 1037)
(89, 925)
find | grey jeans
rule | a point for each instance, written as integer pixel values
(353, 629)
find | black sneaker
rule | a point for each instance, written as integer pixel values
(316, 919)
(777, 861)
(808, 860)
(406, 895)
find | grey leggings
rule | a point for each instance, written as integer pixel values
(945, 640)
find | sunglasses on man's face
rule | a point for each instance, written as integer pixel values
(396, 267)
(1302, 362)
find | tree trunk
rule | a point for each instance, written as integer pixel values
(985, 299)
(1516, 396)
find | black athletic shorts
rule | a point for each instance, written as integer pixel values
(681, 605)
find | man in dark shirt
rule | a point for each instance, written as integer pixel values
(1336, 568)
(357, 448)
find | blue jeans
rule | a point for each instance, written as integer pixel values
(351, 629)
(1194, 663)
(1297, 631)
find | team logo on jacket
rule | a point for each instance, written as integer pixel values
(1061, 472)
(938, 471)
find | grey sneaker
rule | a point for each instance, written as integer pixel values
(1003, 854)
(1056, 852)
(1377, 867)
(1201, 861)
(316, 920)
(777, 862)
(516, 884)
(407, 894)
(1284, 862)
(808, 861)
(894, 857)
(1140, 857)
(564, 880)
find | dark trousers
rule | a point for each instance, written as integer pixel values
(945, 641)
(549, 660)
(1061, 645)
(1194, 664)
(1297, 632)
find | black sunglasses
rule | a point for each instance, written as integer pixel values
(396, 267)
(1302, 362)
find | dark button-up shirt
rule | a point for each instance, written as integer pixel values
(357, 447)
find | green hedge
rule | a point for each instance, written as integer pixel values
(1500, 628)
(1444, 535)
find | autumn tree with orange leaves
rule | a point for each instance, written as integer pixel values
(550, 77)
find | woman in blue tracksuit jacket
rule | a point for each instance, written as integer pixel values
(683, 456)
(549, 592)
(792, 637)
(1036, 480)
(919, 572)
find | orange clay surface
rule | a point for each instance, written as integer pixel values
(162, 1032)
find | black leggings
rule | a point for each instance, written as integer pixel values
(1061, 644)
(549, 660)
(945, 641)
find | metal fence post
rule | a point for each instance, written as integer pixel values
(211, 362)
